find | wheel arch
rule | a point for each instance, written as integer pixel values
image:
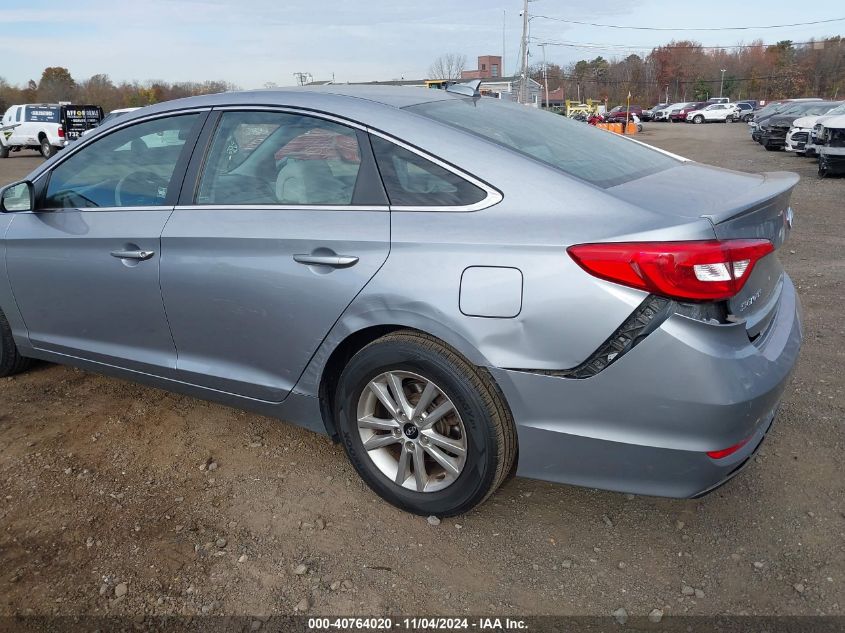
(324, 371)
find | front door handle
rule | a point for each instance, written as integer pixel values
(137, 255)
(335, 261)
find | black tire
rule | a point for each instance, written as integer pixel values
(823, 169)
(698, 119)
(769, 147)
(748, 117)
(11, 362)
(46, 149)
(490, 432)
(4, 151)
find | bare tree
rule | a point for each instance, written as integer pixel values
(448, 66)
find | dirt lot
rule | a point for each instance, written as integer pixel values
(105, 509)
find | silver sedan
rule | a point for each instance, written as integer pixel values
(455, 288)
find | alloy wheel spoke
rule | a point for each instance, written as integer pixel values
(426, 398)
(433, 417)
(404, 463)
(379, 441)
(399, 395)
(377, 424)
(452, 445)
(441, 458)
(420, 476)
(383, 395)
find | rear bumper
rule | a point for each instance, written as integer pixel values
(644, 424)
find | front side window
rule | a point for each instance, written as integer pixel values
(132, 167)
(280, 158)
(580, 150)
(411, 180)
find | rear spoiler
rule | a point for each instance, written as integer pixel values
(467, 89)
(773, 185)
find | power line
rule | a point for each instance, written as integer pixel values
(637, 47)
(718, 28)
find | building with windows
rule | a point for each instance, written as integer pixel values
(489, 67)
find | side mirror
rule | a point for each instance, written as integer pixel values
(17, 197)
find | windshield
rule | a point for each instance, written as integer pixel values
(601, 158)
(819, 108)
(837, 110)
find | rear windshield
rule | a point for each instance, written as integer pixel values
(596, 156)
(42, 114)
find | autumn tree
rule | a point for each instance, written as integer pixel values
(56, 85)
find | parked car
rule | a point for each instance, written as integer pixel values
(118, 112)
(715, 112)
(784, 107)
(798, 137)
(831, 146)
(341, 258)
(773, 131)
(663, 114)
(745, 111)
(718, 100)
(45, 127)
(675, 109)
(648, 115)
(622, 114)
(681, 115)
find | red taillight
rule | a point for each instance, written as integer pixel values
(61, 132)
(709, 270)
(730, 450)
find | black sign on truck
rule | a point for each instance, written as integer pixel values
(76, 119)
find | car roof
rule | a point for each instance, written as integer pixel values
(333, 94)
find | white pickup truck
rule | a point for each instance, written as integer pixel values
(45, 127)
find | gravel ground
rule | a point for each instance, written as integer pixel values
(125, 500)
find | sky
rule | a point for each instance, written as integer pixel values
(252, 42)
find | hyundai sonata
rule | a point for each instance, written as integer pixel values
(455, 288)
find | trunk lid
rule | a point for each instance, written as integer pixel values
(738, 205)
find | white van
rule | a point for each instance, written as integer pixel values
(46, 127)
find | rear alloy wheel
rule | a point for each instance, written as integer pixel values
(426, 430)
(46, 149)
(698, 119)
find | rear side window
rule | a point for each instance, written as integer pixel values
(280, 158)
(39, 114)
(598, 157)
(413, 181)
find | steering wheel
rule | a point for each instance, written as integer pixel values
(140, 188)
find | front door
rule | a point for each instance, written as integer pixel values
(286, 224)
(84, 266)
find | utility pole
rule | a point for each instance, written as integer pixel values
(523, 86)
(722, 82)
(545, 75)
(502, 71)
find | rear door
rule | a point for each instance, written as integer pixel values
(285, 222)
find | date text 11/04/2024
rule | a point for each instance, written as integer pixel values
(413, 624)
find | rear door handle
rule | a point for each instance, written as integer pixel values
(138, 255)
(335, 261)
